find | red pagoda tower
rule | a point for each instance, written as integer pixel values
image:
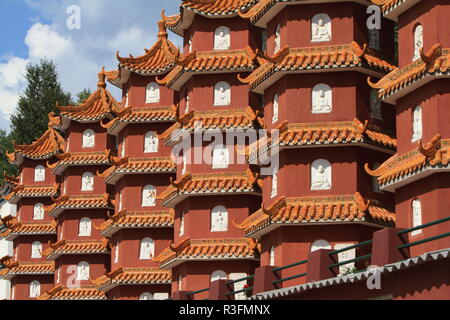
(141, 227)
(325, 123)
(81, 253)
(211, 190)
(418, 91)
(33, 229)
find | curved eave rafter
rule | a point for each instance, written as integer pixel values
(335, 58)
(265, 10)
(392, 9)
(434, 64)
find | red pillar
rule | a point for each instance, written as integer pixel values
(264, 276)
(318, 266)
(218, 291)
(384, 247)
(180, 295)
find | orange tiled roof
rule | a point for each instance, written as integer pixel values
(22, 191)
(79, 202)
(225, 119)
(307, 59)
(388, 6)
(212, 183)
(49, 144)
(208, 249)
(131, 220)
(8, 183)
(100, 105)
(75, 247)
(133, 276)
(62, 293)
(79, 159)
(17, 228)
(433, 155)
(125, 166)
(217, 7)
(243, 60)
(12, 268)
(157, 60)
(323, 133)
(320, 209)
(140, 115)
(259, 9)
(436, 62)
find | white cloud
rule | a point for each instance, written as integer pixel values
(11, 82)
(44, 41)
(106, 27)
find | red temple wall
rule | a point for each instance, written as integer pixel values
(73, 180)
(433, 15)
(131, 187)
(130, 242)
(348, 24)
(69, 223)
(134, 292)
(27, 172)
(137, 86)
(197, 218)
(241, 31)
(348, 175)
(74, 137)
(434, 195)
(201, 89)
(98, 265)
(434, 98)
(350, 99)
(21, 286)
(134, 136)
(24, 243)
(293, 244)
(25, 208)
(196, 275)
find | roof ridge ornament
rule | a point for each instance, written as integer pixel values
(430, 149)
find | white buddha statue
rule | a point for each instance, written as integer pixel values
(321, 29)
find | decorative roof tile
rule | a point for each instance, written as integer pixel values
(13, 268)
(208, 249)
(207, 8)
(316, 210)
(133, 276)
(393, 8)
(225, 119)
(20, 192)
(156, 61)
(323, 133)
(140, 115)
(63, 293)
(209, 61)
(260, 10)
(137, 220)
(79, 202)
(435, 63)
(210, 184)
(217, 7)
(79, 159)
(100, 105)
(75, 247)
(128, 166)
(16, 228)
(315, 58)
(48, 145)
(420, 162)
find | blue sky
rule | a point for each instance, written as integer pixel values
(36, 29)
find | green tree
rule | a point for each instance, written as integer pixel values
(43, 90)
(5, 166)
(83, 95)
